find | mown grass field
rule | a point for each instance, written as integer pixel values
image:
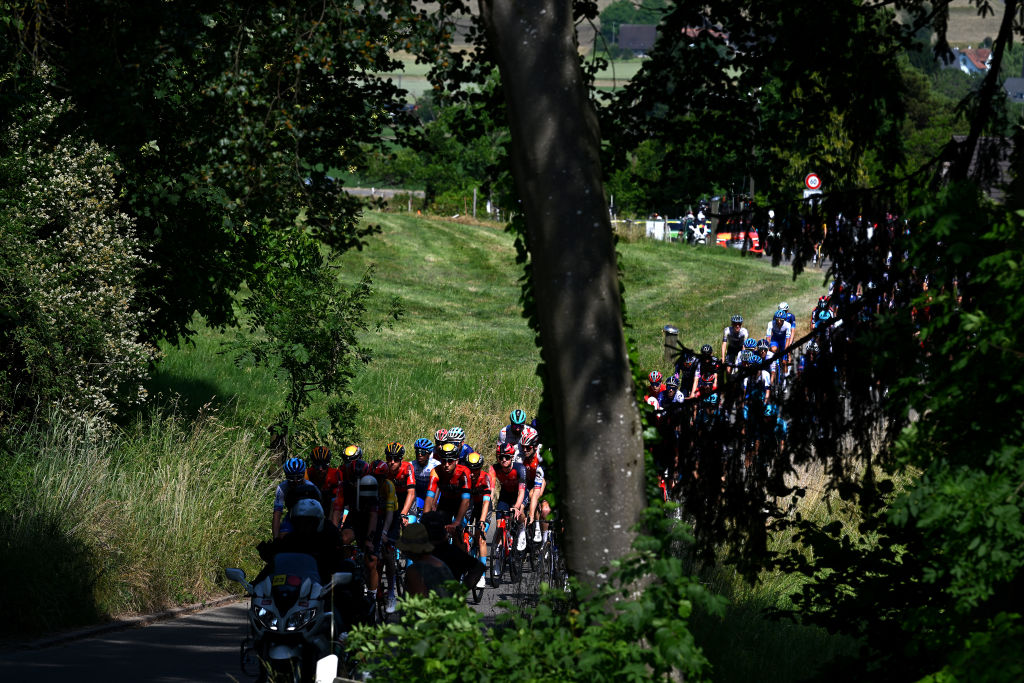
(463, 354)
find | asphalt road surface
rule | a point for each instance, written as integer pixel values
(197, 648)
(200, 648)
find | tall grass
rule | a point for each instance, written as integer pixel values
(131, 524)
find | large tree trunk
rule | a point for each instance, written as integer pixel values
(555, 161)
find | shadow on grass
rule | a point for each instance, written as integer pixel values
(48, 577)
(190, 394)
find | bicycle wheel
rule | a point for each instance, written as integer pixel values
(515, 565)
(497, 564)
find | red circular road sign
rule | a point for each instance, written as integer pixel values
(812, 181)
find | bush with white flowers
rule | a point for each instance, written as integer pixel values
(72, 325)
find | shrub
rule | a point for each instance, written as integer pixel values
(69, 319)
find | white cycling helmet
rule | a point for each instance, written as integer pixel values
(366, 488)
(783, 306)
(307, 514)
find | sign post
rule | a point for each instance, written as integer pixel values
(812, 181)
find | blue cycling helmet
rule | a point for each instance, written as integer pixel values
(423, 444)
(294, 467)
(770, 410)
(750, 344)
(780, 315)
(518, 417)
(710, 401)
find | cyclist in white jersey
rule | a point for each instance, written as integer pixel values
(733, 338)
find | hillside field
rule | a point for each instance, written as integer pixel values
(463, 354)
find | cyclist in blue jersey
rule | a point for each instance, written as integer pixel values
(423, 470)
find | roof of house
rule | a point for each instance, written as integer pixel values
(1014, 89)
(978, 57)
(637, 36)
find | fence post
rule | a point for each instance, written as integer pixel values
(671, 342)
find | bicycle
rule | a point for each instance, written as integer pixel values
(468, 536)
(552, 564)
(505, 556)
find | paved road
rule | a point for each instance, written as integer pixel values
(199, 648)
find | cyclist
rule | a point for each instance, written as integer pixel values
(457, 436)
(509, 486)
(352, 468)
(389, 526)
(440, 436)
(790, 318)
(401, 474)
(733, 338)
(480, 487)
(423, 471)
(535, 486)
(326, 478)
(756, 394)
(513, 432)
(705, 380)
(781, 332)
(654, 384)
(451, 492)
(289, 492)
(360, 526)
(686, 368)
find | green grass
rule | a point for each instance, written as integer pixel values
(464, 355)
(150, 518)
(130, 524)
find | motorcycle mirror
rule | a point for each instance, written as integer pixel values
(239, 576)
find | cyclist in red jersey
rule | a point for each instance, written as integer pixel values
(534, 483)
(480, 487)
(327, 479)
(451, 488)
(401, 473)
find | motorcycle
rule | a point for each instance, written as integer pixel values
(291, 629)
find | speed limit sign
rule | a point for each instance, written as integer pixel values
(812, 181)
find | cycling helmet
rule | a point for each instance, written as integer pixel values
(307, 515)
(753, 359)
(351, 453)
(394, 450)
(529, 440)
(449, 451)
(750, 344)
(517, 417)
(456, 434)
(294, 468)
(379, 468)
(689, 361)
(770, 410)
(474, 461)
(423, 444)
(710, 401)
(320, 455)
(762, 344)
(783, 306)
(440, 435)
(505, 449)
(654, 377)
(822, 302)
(705, 350)
(813, 347)
(366, 489)
(737, 320)
(780, 315)
(672, 382)
(358, 468)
